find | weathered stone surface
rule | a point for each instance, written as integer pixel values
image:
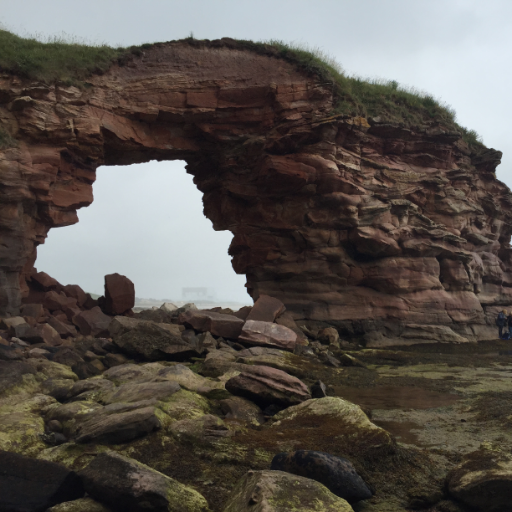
(266, 309)
(276, 491)
(483, 481)
(119, 294)
(347, 423)
(127, 485)
(142, 391)
(240, 409)
(342, 221)
(32, 485)
(80, 505)
(151, 342)
(266, 386)
(336, 473)
(227, 326)
(93, 322)
(267, 334)
(64, 330)
(74, 291)
(117, 423)
(121, 324)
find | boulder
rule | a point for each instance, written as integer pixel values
(31, 485)
(117, 423)
(227, 326)
(240, 409)
(32, 310)
(328, 336)
(266, 309)
(119, 294)
(54, 301)
(126, 485)
(483, 480)
(64, 330)
(206, 430)
(336, 473)
(80, 505)
(74, 291)
(121, 324)
(8, 323)
(266, 334)
(342, 421)
(151, 342)
(136, 392)
(48, 335)
(276, 491)
(44, 282)
(267, 386)
(92, 322)
(168, 307)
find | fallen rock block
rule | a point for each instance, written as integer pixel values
(483, 481)
(54, 301)
(92, 322)
(276, 491)
(266, 309)
(137, 392)
(127, 485)
(227, 326)
(119, 294)
(81, 505)
(151, 342)
(74, 291)
(32, 485)
(266, 334)
(117, 423)
(336, 473)
(64, 330)
(32, 310)
(267, 386)
(45, 282)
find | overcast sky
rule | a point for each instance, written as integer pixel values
(153, 229)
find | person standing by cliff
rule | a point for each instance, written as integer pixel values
(501, 321)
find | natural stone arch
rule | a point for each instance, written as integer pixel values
(376, 228)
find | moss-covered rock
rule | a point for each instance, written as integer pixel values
(185, 405)
(22, 424)
(81, 505)
(276, 491)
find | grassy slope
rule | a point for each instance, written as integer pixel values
(72, 62)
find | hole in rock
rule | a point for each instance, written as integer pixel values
(146, 222)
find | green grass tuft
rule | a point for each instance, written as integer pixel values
(72, 61)
(58, 59)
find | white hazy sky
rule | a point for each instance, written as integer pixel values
(153, 229)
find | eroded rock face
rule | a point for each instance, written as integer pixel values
(368, 226)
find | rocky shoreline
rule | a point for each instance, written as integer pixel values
(196, 410)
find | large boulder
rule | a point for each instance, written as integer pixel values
(151, 342)
(126, 485)
(336, 473)
(80, 505)
(341, 421)
(266, 309)
(119, 294)
(266, 386)
(31, 485)
(92, 322)
(266, 334)
(483, 481)
(117, 423)
(227, 326)
(276, 491)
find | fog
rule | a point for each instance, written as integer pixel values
(457, 50)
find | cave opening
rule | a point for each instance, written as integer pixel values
(146, 222)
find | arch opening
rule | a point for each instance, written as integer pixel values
(146, 222)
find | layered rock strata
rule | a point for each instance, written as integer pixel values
(392, 233)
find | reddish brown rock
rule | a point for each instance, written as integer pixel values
(32, 310)
(74, 291)
(65, 330)
(119, 294)
(227, 326)
(54, 301)
(266, 309)
(266, 386)
(45, 282)
(93, 322)
(266, 334)
(356, 222)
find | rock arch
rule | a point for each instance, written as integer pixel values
(382, 230)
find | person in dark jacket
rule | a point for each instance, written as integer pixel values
(501, 321)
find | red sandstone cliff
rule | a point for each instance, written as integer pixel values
(384, 231)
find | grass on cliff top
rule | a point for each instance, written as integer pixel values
(70, 61)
